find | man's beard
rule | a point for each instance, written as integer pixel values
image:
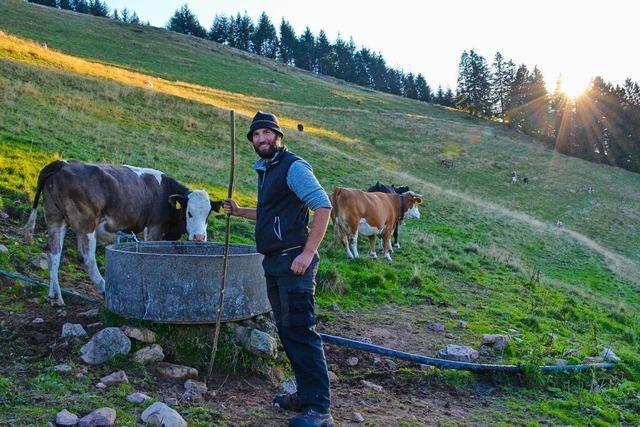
(268, 154)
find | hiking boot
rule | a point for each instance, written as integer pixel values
(287, 401)
(311, 418)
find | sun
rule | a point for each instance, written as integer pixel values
(573, 88)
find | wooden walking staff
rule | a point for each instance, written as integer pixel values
(216, 334)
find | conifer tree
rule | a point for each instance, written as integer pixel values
(65, 4)
(288, 43)
(438, 97)
(185, 22)
(115, 15)
(361, 72)
(305, 56)
(125, 15)
(98, 8)
(220, 29)
(243, 32)
(50, 3)
(135, 19)
(395, 82)
(323, 54)
(80, 6)
(423, 91)
(502, 77)
(409, 85)
(265, 39)
(447, 101)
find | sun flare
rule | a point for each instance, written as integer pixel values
(573, 88)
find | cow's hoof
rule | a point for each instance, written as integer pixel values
(373, 255)
(396, 245)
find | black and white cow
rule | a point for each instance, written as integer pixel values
(97, 200)
(390, 189)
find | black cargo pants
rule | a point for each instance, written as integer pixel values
(292, 301)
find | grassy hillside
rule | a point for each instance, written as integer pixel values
(106, 91)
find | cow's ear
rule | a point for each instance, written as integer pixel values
(177, 201)
(216, 206)
(417, 198)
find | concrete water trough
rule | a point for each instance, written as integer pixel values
(179, 282)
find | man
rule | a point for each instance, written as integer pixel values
(287, 190)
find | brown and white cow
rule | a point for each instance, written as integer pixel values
(370, 214)
(97, 200)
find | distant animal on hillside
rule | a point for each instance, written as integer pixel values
(559, 224)
(589, 190)
(97, 200)
(300, 127)
(447, 163)
(525, 180)
(514, 177)
(371, 214)
(390, 189)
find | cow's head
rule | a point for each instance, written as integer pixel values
(411, 201)
(195, 208)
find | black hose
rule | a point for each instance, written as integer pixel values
(33, 282)
(452, 364)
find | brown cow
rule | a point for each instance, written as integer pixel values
(96, 200)
(370, 214)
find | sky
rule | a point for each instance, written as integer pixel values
(578, 39)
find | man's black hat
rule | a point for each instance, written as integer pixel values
(264, 121)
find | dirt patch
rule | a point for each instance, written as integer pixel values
(409, 396)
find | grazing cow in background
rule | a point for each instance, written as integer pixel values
(97, 200)
(371, 214)
(390, 189)
(514, 177)
(446, 163)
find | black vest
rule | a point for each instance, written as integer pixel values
(282, 218)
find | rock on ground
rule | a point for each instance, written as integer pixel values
(137, 397)
(371, 385)
(66, 418)
(41, 262)
(62, 368)
(99, 417)
(458, 352)
(256, 341)
(73, 330)
(104, 345)
(194, 391)
(118, 377)
(151, 354)
(160, 414)
(89, 313)
(176, 372)
(497, 341)
(437, 327)
(141, 334)
(4, 249)
(357, 417)
(352, 361)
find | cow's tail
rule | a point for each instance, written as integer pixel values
(46, 172)
(339, 227)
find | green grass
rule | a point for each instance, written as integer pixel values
(479, 249)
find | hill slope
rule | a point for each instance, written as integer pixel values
(105, 91)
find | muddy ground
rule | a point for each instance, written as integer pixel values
(410, 396)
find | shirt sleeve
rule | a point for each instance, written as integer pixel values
(304, 184)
